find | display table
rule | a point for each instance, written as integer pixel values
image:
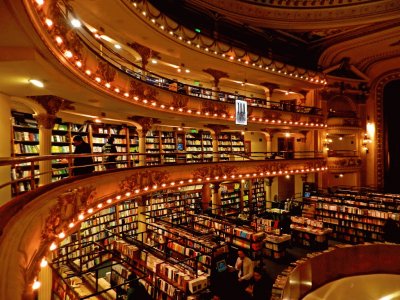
(310, 237)
(275, 245)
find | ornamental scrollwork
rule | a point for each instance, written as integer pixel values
(143, 179)
(214, 171)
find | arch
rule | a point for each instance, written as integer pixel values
(378, 87)
(340, 105)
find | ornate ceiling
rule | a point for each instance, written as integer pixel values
(293, 31)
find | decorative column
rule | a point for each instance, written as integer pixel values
(145, 53)
(46, 123)
(205, 197)
(268, 191)
(146, 124)
(215, 131)
(141, 216)
(270, 87)
(5, 148)
(52, 105)
(216, 198)
(142, 147)
(217, 75)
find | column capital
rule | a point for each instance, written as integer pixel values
(216, 74)
(46, 121)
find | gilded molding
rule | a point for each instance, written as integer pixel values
(143, 179)
(214, 171)
(105, 71)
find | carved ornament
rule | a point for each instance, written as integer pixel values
(213, 171)
(270, 86)
(68, 207)
(46, 121)
(145, 122)
(106, 71)
(213, 107)
(145, 53)
(53, 104)
(143, 90)
(272, 166)
(143, 179)
(179, 101)
(216, 74)
(271, 114)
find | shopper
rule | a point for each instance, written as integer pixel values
(109, 148)
(82, 165)
(258, 288)
(244, 266)
(136, 290)
(391, 231)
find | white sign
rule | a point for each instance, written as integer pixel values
(241, 112)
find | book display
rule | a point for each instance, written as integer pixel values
(275, 243)
(168, 147)
(309, 233)
(355, 217)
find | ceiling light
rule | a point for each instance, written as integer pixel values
(39, 2)
(36, 82)
(76, 23)
(187, 71)
(154, 61)
(179, 70)
(117, 46)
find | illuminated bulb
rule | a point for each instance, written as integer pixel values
(163, 185)
(117, 46)
(76, 23)
(136, 98)
(116, 90)
(68, 54)
(53, 246)
(70, 225)
(39, 2)
(146, 188)
(61, 235)
(154, 187)
(80, 217)
(137, 191)
(154, 61)
(172, 183)
(208, 178)
(78, 64)
(126, 94)
(199, 179)
(43, 263)
(231, 57)
(153, 104)
(162, 106)
(88, 72)
(189, 111)
(109, 201)
(153, 20)
(187, 71)
(36, 284)
(287, 176)
(90, 210)
(99, 205)
(162, 27)
(108, 85)
(59, 40)
(36, 83)
(98, 79)
(145, 101)
(143, 13)
(190, 180)
(49, 22)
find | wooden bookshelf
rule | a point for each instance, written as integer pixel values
(153, 146)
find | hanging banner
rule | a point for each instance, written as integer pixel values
(241, 112)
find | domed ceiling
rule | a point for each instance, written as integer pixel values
(296, 32)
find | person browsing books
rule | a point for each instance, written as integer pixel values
(244, 266)
(82, 165)
(108, 148)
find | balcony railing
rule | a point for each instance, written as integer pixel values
(25, 172)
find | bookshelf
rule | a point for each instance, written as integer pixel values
(230, 142)
(25, 142)
(169, 147)
(153, 141)
(354, 217)
(198, 147)
(258, 200)
(230, 198)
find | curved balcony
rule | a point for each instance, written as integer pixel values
(344, 161)
(34, 221)
(336, 263)
(94, 64)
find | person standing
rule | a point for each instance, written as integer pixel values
(82, 165)
(244, 266)
(259, 286)
(109, 147)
